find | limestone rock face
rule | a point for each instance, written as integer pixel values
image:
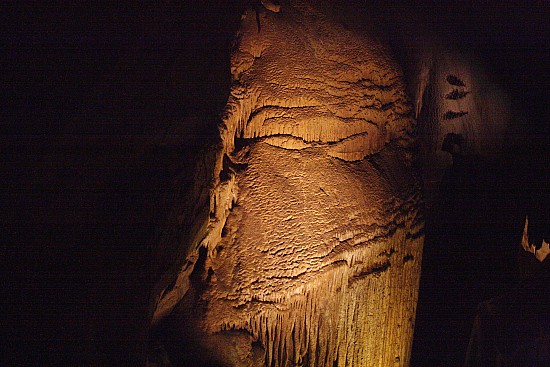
(459, 109)
(304, 80)
(311, 251)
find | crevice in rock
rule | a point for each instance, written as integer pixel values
(456, 94)
(376, 270)
(200, 276)
(449, 115)
(454, 80)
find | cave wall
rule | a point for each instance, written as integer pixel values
(109, 109)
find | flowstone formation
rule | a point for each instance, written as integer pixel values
(310, 254)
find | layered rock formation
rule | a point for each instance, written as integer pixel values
(310, 254)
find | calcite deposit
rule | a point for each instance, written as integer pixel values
(312, 247)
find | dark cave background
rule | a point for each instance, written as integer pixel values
(106, 109)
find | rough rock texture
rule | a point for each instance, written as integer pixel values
(455, 98)
(312, 247)
(316, 261)
(311, 81)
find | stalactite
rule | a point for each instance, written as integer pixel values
(307, 243)
(367, 276)
(326, 316)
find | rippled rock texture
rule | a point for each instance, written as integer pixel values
(310, 254)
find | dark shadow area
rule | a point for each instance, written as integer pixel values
(473, 234)
(473, 237)
(513, 328)
(179, 335)
(108, 109)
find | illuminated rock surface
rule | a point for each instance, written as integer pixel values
(109, 111)
(317, 261)
(311, 252)
(309, 80)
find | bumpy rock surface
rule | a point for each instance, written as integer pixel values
(304, 80)
(312, 249)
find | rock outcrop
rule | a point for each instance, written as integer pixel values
(310, 254)
(454, 98)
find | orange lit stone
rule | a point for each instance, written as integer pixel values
(314, 239)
